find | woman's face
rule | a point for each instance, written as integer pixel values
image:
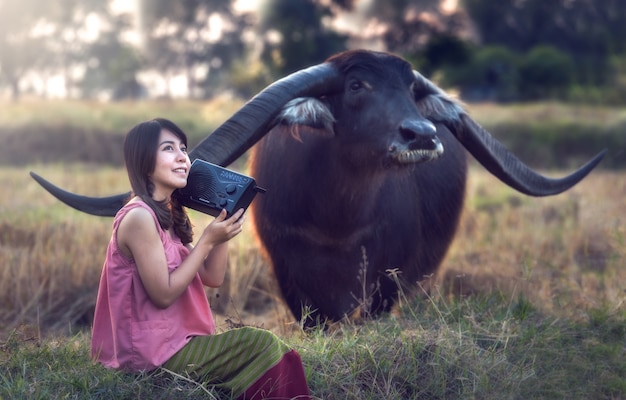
(171, 167)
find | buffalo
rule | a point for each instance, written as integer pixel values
(364, 161)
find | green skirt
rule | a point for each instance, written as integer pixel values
(231, 361)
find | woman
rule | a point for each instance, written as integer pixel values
(152, 310)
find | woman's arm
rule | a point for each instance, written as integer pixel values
(137, 236)
(214, 268)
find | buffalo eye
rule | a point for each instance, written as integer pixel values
(355, 86)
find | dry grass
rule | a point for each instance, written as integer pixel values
(530, 304)
(564, 253)
(52, 256)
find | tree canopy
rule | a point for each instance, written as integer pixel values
(515, 48)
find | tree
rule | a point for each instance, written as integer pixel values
(492, 73)
(589, 30)
(545, 72)
(58, 37)
(20, 47)
(407, 26)
(112, 69)
(200, 38)
(296, 34)
(74, 44)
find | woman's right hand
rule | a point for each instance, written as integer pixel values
(222, 229)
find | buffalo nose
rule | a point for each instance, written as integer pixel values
(418, 133)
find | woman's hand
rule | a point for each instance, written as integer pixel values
(222, 229)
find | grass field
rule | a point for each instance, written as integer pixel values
(529, 302)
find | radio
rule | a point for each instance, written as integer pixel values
(211, 188)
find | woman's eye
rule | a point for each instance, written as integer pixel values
(184, 150)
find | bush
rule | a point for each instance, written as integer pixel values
(545, 72)
(491, 74)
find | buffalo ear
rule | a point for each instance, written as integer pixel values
(306, 115)
(433, 103)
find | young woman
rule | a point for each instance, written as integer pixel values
(152, 310)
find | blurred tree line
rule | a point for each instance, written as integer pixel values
(505, 50)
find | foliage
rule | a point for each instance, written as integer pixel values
(210, 45)
(589, 31)
(407, 26)
(545, 72)
(193, 36)
(492, 74)
(54, 38)
(497, 73)
(112, 70)
(444, 52)
(303, 39)
(18, 50)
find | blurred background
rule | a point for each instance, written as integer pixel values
(509, 50)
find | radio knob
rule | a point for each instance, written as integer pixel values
(222, 201)
(231, 188)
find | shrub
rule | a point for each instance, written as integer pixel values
(492, 74)
(545, 72)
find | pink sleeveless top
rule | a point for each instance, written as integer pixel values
(129, 331)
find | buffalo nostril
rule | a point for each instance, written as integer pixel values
(413, 129)
(419, 134)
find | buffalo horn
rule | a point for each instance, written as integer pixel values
(231, 139)
(508, 168)
(487, 150)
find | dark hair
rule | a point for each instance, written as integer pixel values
(140, 152)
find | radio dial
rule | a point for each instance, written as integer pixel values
(231, 188)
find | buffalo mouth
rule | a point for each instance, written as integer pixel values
(428, 150)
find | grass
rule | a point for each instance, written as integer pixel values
(529, 303)
(557, 135)
(36, 131)
(548, 135)
(484, 347)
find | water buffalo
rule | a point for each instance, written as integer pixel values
(365, 170)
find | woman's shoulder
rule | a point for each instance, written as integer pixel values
(136, 213)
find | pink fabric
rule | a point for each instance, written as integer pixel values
(129, 331)
(285, 380)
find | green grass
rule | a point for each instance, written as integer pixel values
(484, 347)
